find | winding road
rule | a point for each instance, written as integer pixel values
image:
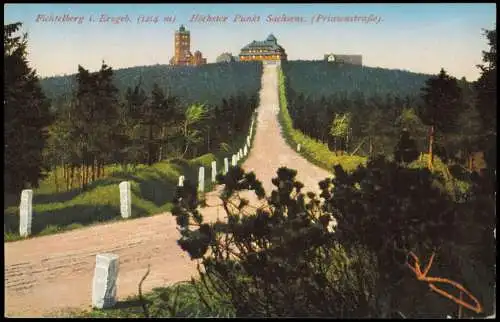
(51, 274)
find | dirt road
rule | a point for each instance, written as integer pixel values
(269, 150)
(51, 273)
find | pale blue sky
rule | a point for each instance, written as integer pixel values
(416, 37)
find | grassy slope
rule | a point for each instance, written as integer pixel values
(313, 150)
(152, 191)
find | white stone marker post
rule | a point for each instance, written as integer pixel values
(214, 170)
(201, 179)
(125, 199)
(241, 153)
(105, 281)
(248, 140)
(233, 160)
(298, 147)
(245, 150)
(26, 212)
(226, 165)
(181, 181)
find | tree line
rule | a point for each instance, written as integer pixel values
(96, 124)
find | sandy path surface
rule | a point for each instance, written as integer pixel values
(269, 150)
(52, 273)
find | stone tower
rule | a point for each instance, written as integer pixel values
(182, 47)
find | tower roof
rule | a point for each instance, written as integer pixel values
(271, 38)
(182, 28)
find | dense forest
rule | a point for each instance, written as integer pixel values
(140, 115)
(362, 110)
(212, 81)
(322, 78)
(144, 127)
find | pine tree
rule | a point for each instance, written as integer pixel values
(486, 88)
(132, 115)
(159, 112)
(26, 116)
(469, 134)
(95, 118)
(442, 104)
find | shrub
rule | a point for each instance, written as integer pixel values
(392, 210)
(285, 259)
(280, 261)
(406, 149)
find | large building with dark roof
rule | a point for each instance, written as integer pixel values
(267, 50)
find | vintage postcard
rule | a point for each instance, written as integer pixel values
(250, 160)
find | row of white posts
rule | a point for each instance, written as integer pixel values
(26, 207)
(235, 159)
(106, 268)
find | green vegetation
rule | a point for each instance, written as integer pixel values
(441, 108)
(152, 188)
(486, 90)
(313, 150)
(406, 149)
(297, 256)
(380, 104)
(97, 128)
(322, 78)
(321, 154)
(211, 81)
(152, 192)
(179, 300)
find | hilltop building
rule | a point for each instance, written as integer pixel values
(345, 59)
(183, 55)
(267, 50)
(225, 58)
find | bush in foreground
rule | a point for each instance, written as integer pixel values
(284, 259)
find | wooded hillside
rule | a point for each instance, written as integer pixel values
(207, 83)
(362, 110)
